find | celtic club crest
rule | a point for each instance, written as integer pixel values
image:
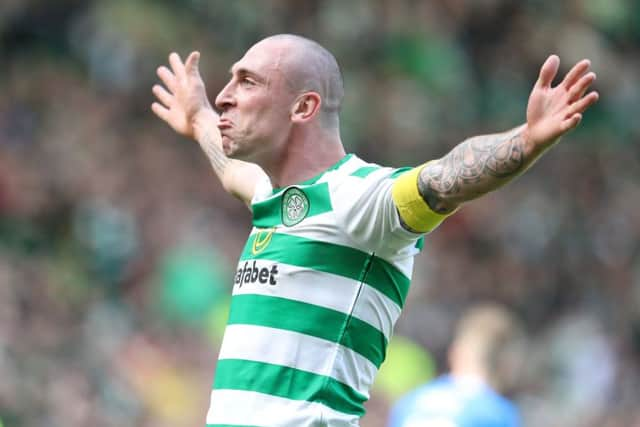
(295, 206)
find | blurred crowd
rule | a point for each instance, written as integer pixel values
(117, 245)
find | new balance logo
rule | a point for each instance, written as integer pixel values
(253, 274)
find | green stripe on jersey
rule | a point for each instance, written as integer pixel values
(336, 259)
(364, 171)
(268, 213)
(290, 383)
(309, 319)
(399, 172)
(230, 425)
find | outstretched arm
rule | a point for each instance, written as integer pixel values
(484, 163)
(184, 106)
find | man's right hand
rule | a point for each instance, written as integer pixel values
(185, 107)
(183, 104)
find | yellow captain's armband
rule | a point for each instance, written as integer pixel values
(412, 208)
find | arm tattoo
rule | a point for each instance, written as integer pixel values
(214, 152)
(473, 168)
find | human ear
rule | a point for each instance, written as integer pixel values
(306, 107)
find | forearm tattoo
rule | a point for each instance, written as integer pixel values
(214, 152)
(474, 167)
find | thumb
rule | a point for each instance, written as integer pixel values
(191, 65)
(548, 71)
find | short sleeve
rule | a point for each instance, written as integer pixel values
(264, 188)
(366, 210)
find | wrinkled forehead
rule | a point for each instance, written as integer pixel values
(264, 58)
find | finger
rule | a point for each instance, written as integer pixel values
(191, 64)
(160, 111)
(163, 96)
(548, 71)
(571, 122)
(176, 65)
(580, 88)
(581, 105)
(167, 78)
(575, 73)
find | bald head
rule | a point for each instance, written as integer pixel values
(307, 66)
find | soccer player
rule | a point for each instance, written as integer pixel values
(468, 396)
(326, 268)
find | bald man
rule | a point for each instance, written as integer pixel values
(327, 266)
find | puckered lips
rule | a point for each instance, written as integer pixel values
(223, 125)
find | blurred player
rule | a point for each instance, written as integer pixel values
(481, 359)
(327, 265)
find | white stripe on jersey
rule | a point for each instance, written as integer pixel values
(248, 408)
(300, 284)
(322, 228)
(300, 351)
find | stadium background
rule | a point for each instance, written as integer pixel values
(117, 245)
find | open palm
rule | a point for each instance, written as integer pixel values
(553, 111)
(184, 98)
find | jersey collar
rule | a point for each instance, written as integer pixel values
(316, 178)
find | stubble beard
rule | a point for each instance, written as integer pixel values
(235, 149)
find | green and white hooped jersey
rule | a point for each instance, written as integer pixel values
(318, 289)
